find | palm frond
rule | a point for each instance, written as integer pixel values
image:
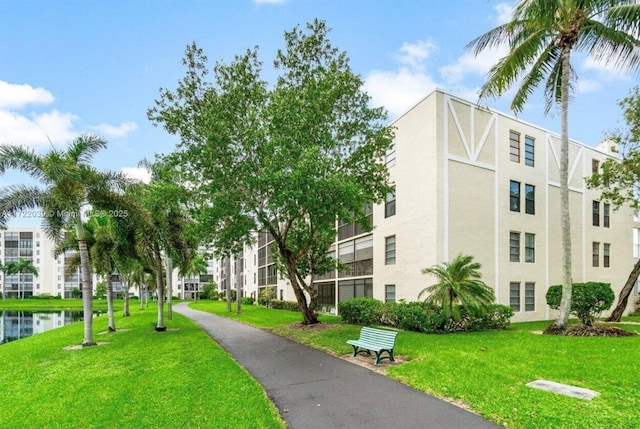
(18, 199)
(84, 147)
(21, 158)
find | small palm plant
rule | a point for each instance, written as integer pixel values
(458, 285)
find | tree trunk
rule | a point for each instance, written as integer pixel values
(110, 311)
(623, 298)
(125, 310)
(169, 288)
(239, 298)
(560, 324)
(228, 292)
(87, 285)
(160, 291)
(141, 297)
(310, 317)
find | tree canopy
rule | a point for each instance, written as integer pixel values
(288, 158)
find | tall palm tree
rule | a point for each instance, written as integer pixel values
(8, 269)
(22, 267)
(69, 184)
(541, 37)
(458, 283)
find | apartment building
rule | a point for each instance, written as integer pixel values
(474, 181)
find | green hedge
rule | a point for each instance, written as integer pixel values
(284, 305)
(421, 316)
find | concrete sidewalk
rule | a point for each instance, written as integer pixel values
(312, 389)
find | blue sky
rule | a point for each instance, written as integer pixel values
(75, 66)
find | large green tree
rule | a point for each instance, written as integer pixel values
(68, 185)
(288, 158)
(541, 37)
(618, 181)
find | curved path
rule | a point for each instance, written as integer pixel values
(312, 389)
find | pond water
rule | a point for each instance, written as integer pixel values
(20, 324)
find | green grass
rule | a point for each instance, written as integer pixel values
(140, 379)
(487, 371)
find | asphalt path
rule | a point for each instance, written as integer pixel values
(313, 389)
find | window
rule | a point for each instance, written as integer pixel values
(389, 293)
(529, 247)
(514, 196)
(595, 166)
(530, 199)
(596, 254)
(390, 205)
(529, 296)
(357, 288)
(514, 246)
(606, 254)
(606, 215)
(514, 296)
(390, 156)
(514, 146)
(390, 250)
(529, 150)
(327, 293)
(596, 213)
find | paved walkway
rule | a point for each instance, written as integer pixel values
(312, 389)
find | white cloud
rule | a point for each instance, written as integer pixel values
(16, 96)
(504, 13)
(588, 85)
(121, 130)
(415, 54)
(36, 130)
(397, 90)
(137, 173)
(468, 63)
(604, 70)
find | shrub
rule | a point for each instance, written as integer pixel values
(247, 300)
(361, 311)
(284, 305)
(266, 295)
(587, 301)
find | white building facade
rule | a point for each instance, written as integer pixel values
(468, 180)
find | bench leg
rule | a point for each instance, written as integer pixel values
(356, 351)
(379, 356)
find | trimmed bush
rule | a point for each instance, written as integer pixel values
(361, 311)
(588, 300)
(284, 305)
(247, 300)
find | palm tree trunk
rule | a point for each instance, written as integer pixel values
(87, 285)
(125, 310)
(560, 323)
(160, 290)
(141, 297)
(110, 312)
(169, 288)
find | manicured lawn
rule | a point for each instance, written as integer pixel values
(140, 379)
(487, 371)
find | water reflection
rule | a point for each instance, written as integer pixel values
(20, 324)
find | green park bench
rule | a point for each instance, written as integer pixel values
(375, 340)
